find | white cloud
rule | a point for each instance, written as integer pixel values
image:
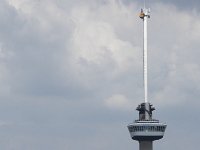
(178, 59)
(119, 102)
(62, 61)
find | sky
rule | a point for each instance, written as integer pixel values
(71, 73)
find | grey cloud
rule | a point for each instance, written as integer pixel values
(62, 59)
(184, 3)
(181, 4)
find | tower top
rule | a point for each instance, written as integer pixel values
(145, 13)
(146, 129)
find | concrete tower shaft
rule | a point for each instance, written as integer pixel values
(146, 145)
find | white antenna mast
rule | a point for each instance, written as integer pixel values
(144, 15)
(144, 4)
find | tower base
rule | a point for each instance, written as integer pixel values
(146, 145)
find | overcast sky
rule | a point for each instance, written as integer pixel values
(71, 73)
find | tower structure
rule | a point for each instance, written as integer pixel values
(145, 130)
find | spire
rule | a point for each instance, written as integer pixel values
(144, 15)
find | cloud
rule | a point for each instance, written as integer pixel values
(118, 102)
(70, 71)
(96, 49)
(185, 4)
(176, 60)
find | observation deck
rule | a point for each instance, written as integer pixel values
(146, 128)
